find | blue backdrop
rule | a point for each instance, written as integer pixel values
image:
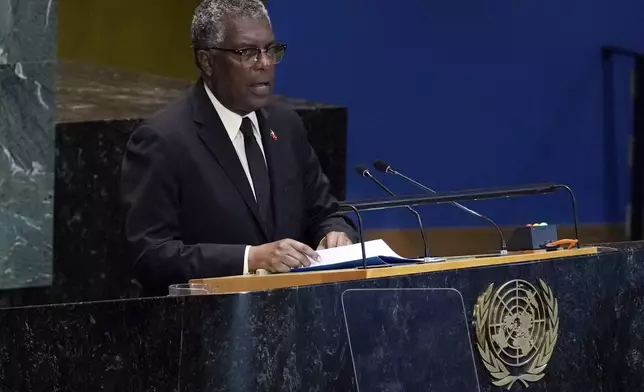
(467, 93)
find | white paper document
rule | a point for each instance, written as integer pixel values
(353, 252)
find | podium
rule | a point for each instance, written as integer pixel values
(405, 331)
(568, 320)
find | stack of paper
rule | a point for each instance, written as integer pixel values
(353, 252)
(377, 252)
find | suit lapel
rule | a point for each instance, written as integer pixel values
(278, 169)
(215, 137)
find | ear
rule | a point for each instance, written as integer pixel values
(204, 62)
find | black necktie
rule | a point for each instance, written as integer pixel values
(259, 173)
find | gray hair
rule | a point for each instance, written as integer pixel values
(209, 21)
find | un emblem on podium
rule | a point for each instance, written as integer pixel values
(516, 331)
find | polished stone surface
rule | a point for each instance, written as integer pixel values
(297, 339)
(89, 93)
(28, 31)
(92, 347)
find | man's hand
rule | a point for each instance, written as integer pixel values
(333, 240)
(280, 256)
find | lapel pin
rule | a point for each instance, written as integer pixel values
(273, 135)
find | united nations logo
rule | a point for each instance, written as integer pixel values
(516, 331)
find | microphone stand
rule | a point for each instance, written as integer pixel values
(504, 246)
(364, 172)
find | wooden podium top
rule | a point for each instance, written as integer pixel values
(246, 283)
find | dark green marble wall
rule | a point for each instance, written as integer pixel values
(28, 31)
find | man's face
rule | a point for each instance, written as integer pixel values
(242, 86)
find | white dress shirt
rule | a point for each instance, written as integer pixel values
(232, 122)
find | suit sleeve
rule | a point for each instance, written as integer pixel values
(151, 192)
(321, 217)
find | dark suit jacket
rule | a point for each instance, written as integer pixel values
(190, 208)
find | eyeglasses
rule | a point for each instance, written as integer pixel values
(249, 56)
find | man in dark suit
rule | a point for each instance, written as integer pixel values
(224, 182)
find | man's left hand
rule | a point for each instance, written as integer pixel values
(333, 240)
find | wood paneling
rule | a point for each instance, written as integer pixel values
(237, 284)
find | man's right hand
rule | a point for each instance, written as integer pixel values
(280, 256)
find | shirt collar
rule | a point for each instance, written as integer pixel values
(231, 120)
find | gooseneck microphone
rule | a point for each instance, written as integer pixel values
(363, 171)
(385, 167)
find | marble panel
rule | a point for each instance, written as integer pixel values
(27, 110)
(28, 30)
(129, 346)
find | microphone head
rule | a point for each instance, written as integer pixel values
(381, 165)
(362, 170)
